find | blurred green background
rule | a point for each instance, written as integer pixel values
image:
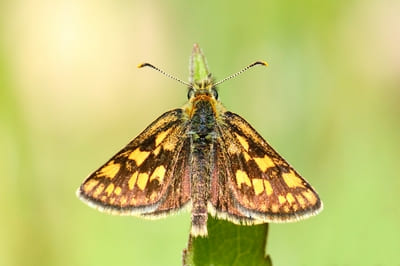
(71, 96)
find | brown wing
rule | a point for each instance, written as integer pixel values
(139, 178)
(264, 187)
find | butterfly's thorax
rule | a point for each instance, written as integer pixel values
(203, 118)
(202, 138)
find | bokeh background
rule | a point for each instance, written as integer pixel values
(71, 96)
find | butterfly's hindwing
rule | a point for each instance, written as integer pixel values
(136, 179)
(222, 204)
(178, 191)
(263, 185)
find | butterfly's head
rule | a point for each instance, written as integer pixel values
(203, 88)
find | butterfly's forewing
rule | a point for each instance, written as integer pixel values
(263, 185)
(139, 178)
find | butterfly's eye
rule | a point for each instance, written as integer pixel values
(215, 93)
(190, 93)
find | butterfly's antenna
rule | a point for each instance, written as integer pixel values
(241, 71)
(164, 73)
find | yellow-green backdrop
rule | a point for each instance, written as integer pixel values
(71, 96)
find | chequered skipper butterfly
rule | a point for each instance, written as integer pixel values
(205, 158)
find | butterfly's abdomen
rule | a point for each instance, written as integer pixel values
(202, 132)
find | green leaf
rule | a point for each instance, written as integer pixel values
(228, 244)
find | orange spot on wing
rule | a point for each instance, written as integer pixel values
(242, 177)
(264, 163)
(258, 186)
(310, 196)
(90, 185)
(268, 188)
(157, 151)
(275, 208)
(158, 174)
(292, 180)
(281, 199)
(98, 190)
(246, 156)
(301, 200)
(290, 198)
(139, 156)
(243, 142)
(109, 189)
(117, 191)
(161, 136)
(142, 180)
(110, 170)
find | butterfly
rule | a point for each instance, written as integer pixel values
(203, 158)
